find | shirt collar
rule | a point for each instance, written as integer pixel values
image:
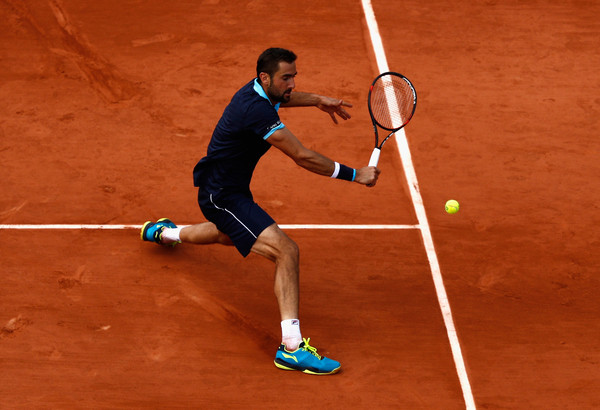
(260, 91)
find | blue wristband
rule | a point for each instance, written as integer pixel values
(346, 173)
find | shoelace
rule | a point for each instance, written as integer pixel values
(158, 235)
(310, 349)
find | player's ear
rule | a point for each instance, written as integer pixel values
(265, 79)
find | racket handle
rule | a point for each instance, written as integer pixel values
(375, 157)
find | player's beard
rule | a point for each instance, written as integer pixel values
(280, 98)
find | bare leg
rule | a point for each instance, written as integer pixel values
(275, 245)
(204, 234)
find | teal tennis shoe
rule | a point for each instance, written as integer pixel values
(305, 359)
(152, 231)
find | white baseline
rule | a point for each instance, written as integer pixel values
(118, 227)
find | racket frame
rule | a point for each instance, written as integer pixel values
(374, 160)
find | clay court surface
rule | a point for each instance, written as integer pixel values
(106, 106)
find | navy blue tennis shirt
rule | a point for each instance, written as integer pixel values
(238, 141)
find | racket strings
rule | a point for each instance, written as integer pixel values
(392, 101)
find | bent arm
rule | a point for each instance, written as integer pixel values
(302, 99)
(286, 142)
(329, 105)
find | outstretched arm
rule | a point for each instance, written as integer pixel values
(332, 106)
(311, 160)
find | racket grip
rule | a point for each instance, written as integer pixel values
(375, 157)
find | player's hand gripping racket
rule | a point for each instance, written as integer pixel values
(392, 103)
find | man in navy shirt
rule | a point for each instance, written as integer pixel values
(249, 126)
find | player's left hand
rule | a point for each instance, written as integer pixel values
(334, 106)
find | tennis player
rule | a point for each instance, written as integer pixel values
(249, 126)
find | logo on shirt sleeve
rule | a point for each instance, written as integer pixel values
(270, 130)
(275, 126)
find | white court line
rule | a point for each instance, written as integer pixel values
(115, 227)
(413, 185)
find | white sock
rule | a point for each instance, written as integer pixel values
(170, 235)
(290, 334)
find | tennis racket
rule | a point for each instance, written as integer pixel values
(392, 103)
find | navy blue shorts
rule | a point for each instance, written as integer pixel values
(237, 216)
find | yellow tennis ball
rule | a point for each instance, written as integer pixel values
(452, 206)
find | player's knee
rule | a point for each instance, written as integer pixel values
(275, 245)
(286, 248)
(290, 249)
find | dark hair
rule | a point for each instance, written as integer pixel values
(268, 61)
